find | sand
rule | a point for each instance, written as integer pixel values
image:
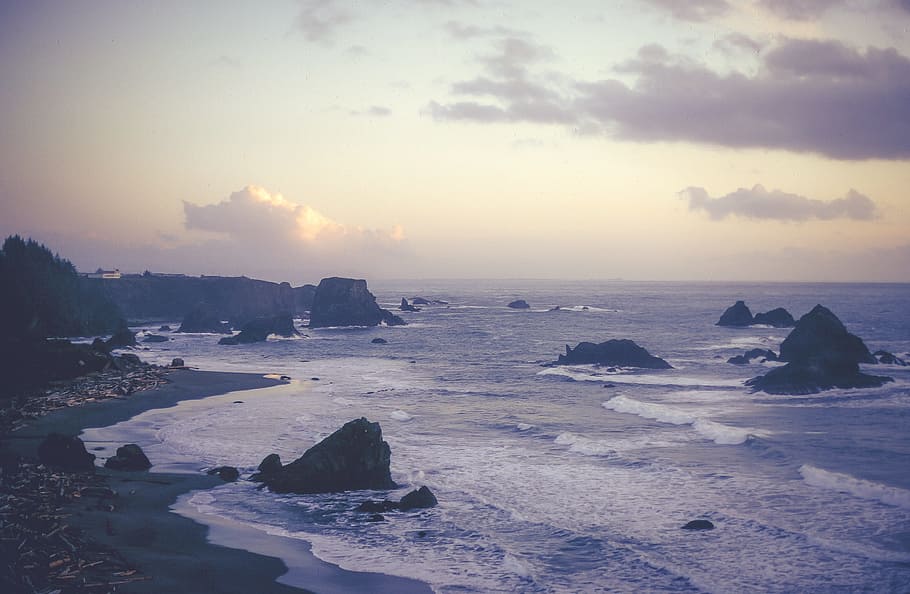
(179, 552)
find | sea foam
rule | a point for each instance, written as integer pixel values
(719, 433)
(861, 488)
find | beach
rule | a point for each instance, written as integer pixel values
(176, 553)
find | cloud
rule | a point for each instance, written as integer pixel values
(459, 30)
(800, 10)
(693, 10)
(759, 203)
(319, 20)
(374, 111)
(812, 96)
(738, 42)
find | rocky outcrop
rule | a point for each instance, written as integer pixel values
(737, 314)
(379, 340)
(129, 457)
(228, 474)
(426, 301)
(746, 358)
(65, 452)
(699, 525)
(778, 318)
(821, 355)
(348, 302)
(519, 304)
(421, 498)
(353, 458)
(178, 362)
(887, 358)
(620, 353)
(122, 338)
(405, 306)
(155, 338)
(204, 318)
(261, 328)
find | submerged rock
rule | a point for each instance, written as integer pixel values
(155, 338)
(379, 341)
(821, 355)
(66, 452)
(348, 302)
(129, 457)
(260, 329)
(746, 358)
(737, 314)
(622, 353)
(889, 358)
(778, 318)
(699, 525)
(354, 457)
(519, 304)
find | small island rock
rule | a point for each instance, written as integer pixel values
(519, 304)
(128, 457)
(737, 315)
(622, 353)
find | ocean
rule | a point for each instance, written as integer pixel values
(570, 479)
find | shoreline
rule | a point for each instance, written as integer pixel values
(189, 551)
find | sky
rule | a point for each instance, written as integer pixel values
(720, 140)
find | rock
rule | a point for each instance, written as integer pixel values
(737, 314)
(372, 506)
(348, 302)
(203, 318)
(420, 301)
(155, 338)
(889, 358)
(66, 452)
(747, 357)
(379, 341)
(738, 360)
(821, 355)
(129, 359)
(228, 474)
(420, 499)
(260, 329)
(699, 525)
(623, 353)
(519, 304)
(354, 457)
(269, 466)
(375, 518)
(99, 346)
(164, 328)
(177, 362)
(778, 318)
(122, 338)
(129, 457)
(405, 306)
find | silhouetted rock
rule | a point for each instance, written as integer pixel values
(738, 360)
(820, 355)
(164, 328)
(347, 302)
(419, 499)
(269, 466)
(371, 506)
(764, 354)
(203, 318)
(66, 452)
(622, 353)
(379, 341)
(420, 301)
(129, 457)
(405, 306)
(228, 474)
(155, 338)
(699, 525)
(737, 314)
(519, 304)
(889, 358)
(121, 339)
(177, 362)
(778, 318)
(261, 328)
(354, 457)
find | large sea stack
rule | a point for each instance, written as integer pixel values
(621, 353)
(737, 314)
(821, 355)
(353, 458)
(348, 302)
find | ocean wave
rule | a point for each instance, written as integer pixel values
(584, 445)
(860, 549)
(844, 483)
(591, 373)
(717, 432)
(524, 426)
(400, 415)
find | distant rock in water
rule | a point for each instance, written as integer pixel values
(348, 302)
(379, 340)
(177, 362)
(737, 314)
(66, 452)
(228, 474)
(353, 458)
(887, 358)
(746, 358)
(519, 304)
(261, 328)
(204, 319)
(699, 525)
(426, 301)
(621, 353)
(155, 338)
(778, 318)
(164, 328)
(421, 498)
(821, 355)
(405, 306)
(129, 457)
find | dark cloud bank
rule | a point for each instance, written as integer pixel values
(810, 96)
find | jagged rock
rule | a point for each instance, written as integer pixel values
(519, 304)
(121, 339)
(155, 338)
(99, 346)
(203, 318)
(737, 314)
(348, 302)
(889, 358)
(379, 341)
(623, 353)
(699, 525)
(768, 355)
(820, 355)
(419, 499)
(228, 474)
(164, 328)
(778, 318)
(420, 301)
(177, 362)
(129, 457)
(269, 466)
(738, 360)
(405, 306)
(261, 328)
(66, 452)
(354, 457)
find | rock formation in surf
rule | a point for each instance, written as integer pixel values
(261, 328)
(621, 353)
(348, 302)
(739, 315)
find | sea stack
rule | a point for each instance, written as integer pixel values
(348, 302)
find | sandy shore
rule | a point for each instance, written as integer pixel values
(175, 551)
